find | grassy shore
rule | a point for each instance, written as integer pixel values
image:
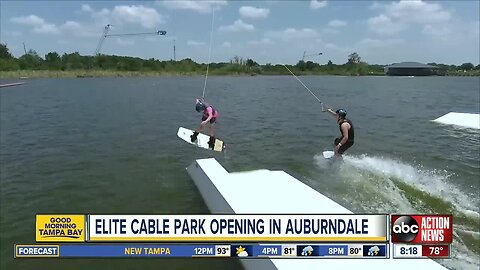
(114, 73)
(86, 74)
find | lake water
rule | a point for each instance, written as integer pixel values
(109, 145)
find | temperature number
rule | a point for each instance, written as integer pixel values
(435, 250)
(222, 250)
(354, 250)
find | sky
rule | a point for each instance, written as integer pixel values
(276, 32)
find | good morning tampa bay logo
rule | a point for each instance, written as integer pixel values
(56, 228)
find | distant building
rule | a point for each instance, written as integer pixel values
(410, 69)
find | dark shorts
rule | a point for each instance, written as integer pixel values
(212, 120)
(344, 147)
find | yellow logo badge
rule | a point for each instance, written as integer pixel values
(60, 228)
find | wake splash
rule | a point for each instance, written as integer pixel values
(433, 182)
(372, 184)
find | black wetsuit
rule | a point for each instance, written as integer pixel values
(350, 140)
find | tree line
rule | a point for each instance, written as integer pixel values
(237, 65)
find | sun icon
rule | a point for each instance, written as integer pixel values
(240, 250)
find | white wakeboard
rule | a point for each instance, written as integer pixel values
(202, 140)
(328, 154)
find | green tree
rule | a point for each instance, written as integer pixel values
(362, 69)
(187, 65)
(301, 65)
(7, 61)
(354, 58)
(72, 61)
(466, 66)
(4, 52)
(237, 65)
(251, 63)
(8, 65)
(53, 61)
(311, 65)
(31, 60)
(150, 64)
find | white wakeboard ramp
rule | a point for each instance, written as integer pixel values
(467, 120)
(276, 192)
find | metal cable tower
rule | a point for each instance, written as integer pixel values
(107, 28)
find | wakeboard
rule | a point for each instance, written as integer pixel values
(328, 154)
(202, 140)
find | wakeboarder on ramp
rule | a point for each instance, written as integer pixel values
(276, 192)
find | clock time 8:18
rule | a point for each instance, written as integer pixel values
(408, 250)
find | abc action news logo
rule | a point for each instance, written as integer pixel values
(422, 229)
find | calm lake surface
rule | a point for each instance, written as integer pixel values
(109, 145)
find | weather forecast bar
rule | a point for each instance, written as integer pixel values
(203, 250)
(123, 250)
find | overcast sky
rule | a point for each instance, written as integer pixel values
(381, 32)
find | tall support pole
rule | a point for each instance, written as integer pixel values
(102, 38)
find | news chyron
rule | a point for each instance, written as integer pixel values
(321, 236)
